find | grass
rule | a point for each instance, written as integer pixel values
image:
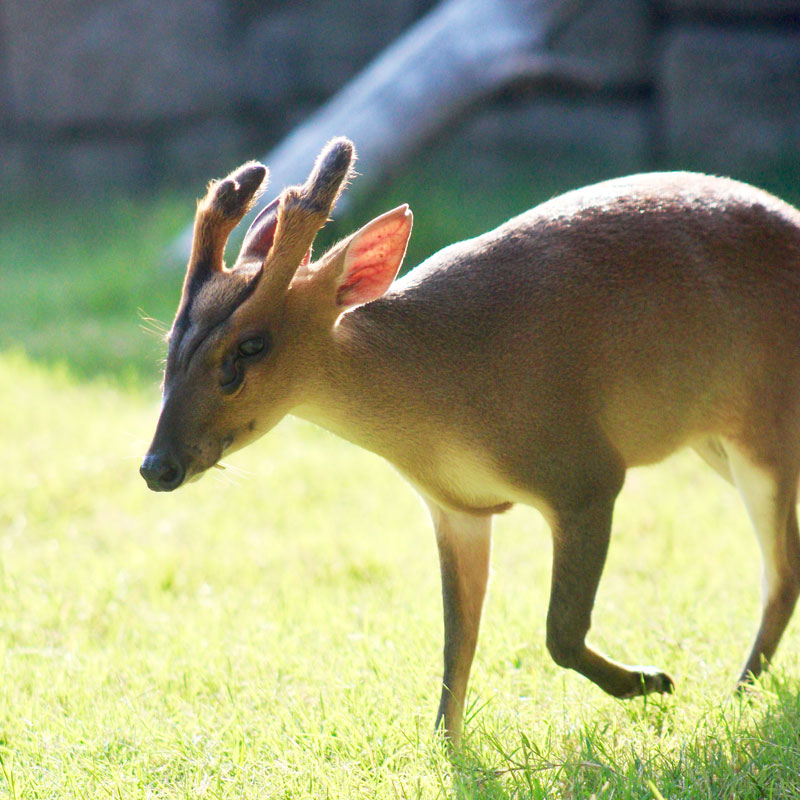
(275, 631)
(76, 281)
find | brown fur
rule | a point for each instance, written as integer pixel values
(536, 363)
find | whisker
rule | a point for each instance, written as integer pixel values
(151, 325)
(225, 477)
(235, 469)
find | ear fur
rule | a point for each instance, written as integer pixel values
(372, 258)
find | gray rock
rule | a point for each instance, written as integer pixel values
(307, 50)
(82, 62)
(730, 100)
(95, 167)
(207, 149)
(16, 161)
(614, 39)
(612, 135)
(742, 9)
(5, 93)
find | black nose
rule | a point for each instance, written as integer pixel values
(162, 472)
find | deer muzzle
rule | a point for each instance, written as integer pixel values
(162, 472)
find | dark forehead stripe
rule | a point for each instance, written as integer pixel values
(204, 308)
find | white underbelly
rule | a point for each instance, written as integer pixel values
(459, 478)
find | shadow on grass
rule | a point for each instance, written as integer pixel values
(748, 748)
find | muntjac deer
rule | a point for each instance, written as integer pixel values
(534, 364)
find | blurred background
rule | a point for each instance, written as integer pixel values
(100, 95)
(115, 113)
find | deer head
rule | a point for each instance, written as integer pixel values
(247, 338)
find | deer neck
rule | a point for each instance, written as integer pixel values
(368, 381)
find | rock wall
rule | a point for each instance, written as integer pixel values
(99, 95)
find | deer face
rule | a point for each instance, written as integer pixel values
(247, 342)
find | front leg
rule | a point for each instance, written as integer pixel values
(464, 542)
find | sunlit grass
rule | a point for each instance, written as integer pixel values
(280, 636)
(275, 629)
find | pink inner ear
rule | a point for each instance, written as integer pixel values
(365, 281)
(261, 234)
(374, 257)
(263, 242)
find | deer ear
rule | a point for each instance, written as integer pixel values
(261, 233)
(373, 257)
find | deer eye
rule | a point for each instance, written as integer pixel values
(251, 347)
(233, 366)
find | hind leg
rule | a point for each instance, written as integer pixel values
(580, 543)
(770, 495)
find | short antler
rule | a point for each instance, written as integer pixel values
(299, 214)
(218, 213)
(307, 207)
(330, 175)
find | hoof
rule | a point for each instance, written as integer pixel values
(746, 686)
(649, 680)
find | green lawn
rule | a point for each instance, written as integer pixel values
(275, 630)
